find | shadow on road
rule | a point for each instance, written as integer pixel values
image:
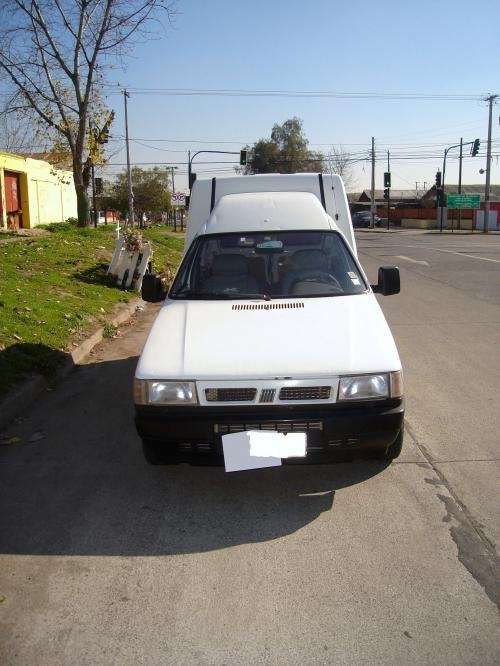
(81, 486)
(23, 358)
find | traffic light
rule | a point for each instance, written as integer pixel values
(387, 179)
(98, 185)
(243, 157)
(438, 180)
(386, 194)
(192, 178)
(475, 147)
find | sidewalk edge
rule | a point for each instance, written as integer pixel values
(25, 393)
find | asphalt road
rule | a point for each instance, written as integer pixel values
(107, 560)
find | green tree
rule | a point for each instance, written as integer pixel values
(151, 189)
(54, 55)
(286, 151)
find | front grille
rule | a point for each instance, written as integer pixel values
(267, 395)
(305, 393)
(273, 426)
(230, 394)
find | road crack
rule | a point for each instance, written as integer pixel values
(475, 550)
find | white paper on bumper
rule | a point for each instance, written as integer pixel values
(253, 449)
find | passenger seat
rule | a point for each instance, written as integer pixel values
(231, 272)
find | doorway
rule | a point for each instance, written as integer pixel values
(13, 200)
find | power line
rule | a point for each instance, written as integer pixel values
(226, 92)
(356, 160)
(248, 141)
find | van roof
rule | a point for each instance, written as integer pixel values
(328, 189)
(271, 211)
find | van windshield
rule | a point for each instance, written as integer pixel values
(279, 264)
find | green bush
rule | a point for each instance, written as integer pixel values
(56, 226)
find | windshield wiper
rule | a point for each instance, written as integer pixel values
(216, 295)
(190, 293)
(264, 297)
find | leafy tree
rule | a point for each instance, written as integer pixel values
(53, 58)
(285, 152)
(151, 189)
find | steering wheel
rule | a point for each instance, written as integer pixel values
(313, 275)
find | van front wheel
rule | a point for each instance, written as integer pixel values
(155, 454)
(394, 449)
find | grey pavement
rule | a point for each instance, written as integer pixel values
(107, 560)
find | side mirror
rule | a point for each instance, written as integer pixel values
(152, 289)
(388, 281)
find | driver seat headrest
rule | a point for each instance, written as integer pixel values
(310, 260)
(229, 264)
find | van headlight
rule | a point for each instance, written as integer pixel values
(371, 387)
(159, 392)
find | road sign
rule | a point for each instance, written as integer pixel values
(463, 200)
(178, 199)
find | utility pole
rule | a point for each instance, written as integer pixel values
(389, 190)
(129, 172)
(94, 206)
(373, 206)
(174, 211)
(92, 177)
(459, 223)
(490, 100)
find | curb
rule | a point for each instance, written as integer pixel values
(28, 390)
(377, 231)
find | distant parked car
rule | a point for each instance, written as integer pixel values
(362, 220)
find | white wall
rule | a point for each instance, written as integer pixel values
(52, 196)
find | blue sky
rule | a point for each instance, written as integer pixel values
(355, 46)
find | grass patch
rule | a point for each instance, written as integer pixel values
(109, 330)
(54, 290)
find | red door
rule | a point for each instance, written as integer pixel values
(13, 200)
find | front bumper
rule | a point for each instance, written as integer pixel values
(338, 431)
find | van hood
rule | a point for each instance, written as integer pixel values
(250, 339)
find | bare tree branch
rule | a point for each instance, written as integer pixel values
(53, 53)
(340, 162)
(35, 15)
(31, 99)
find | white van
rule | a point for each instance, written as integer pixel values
(270, 324)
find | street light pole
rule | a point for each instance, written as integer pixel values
(129, 172)
(216, 152)
(490, 100)
(442, 189)
(447, 150)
